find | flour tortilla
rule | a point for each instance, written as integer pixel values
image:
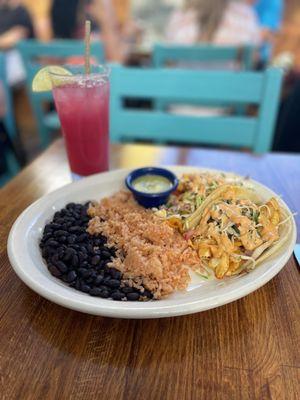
(241, 192)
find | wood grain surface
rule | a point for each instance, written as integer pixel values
(248, 349)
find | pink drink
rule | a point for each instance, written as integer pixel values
(83, 109)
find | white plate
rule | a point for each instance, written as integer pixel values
(26, 260)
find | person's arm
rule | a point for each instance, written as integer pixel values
(10, 38)
(106, 17)
(40, 13)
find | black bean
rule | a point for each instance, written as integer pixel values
(48, 228)
(89, 280)
(117, 295)
(70, 219)
(85, 288)
(62, 239)
(71, 239)
(105, 294)
(147, 293)
(105, 254)
(127, 289)
(54, 225)
(104, 287)
(70, 206)
(85, 264)
(75, 246)
(90, 248)
(51, 251)
(74, 229)
(65, 278)
(113, 283)
(52, 243)
(59, 221)
(103, 265)
(95, 292)
(96, 260)
(81, 238)
(81, 257)
(93, 274)
(85, 273)
(60, 233)
(46, 237)
(55, 258)
(75, 261)
(78, 284)
(45, 253)
(54, 271)
(98, 280)
(61, 266)
(71, 276)
(132, 296)
(115, 273)
(69, 253)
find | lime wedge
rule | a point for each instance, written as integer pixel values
(42, 80)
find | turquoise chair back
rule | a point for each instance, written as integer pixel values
(32, 53)
(12, 163)
(9, 118)
(254, 132)
(164, 55)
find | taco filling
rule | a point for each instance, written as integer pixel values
(233, 232)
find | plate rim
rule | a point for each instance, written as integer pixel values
(132, 309)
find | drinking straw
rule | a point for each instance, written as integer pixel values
(87, 58)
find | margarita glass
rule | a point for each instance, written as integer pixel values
(82, 103)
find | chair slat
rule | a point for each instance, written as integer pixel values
(235, 132)
(166, 53)
(187, 85)
(59, 48)
(195, 86)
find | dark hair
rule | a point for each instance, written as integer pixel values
(209, 15)
(64, 16)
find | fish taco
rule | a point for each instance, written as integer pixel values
(234, 229)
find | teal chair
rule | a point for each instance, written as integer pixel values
(165, 55)
(9, 118)
(253, 132)
(12, 163)
(32, 52)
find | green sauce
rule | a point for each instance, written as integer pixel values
(151, 184)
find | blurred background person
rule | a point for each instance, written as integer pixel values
(68, 17)
(119, 31)
(221, 22)
(39, 11)
(15, 25)
(270, 15)
(153, 16)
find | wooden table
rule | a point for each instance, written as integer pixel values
(249, 349)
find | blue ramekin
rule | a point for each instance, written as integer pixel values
(149, 200)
